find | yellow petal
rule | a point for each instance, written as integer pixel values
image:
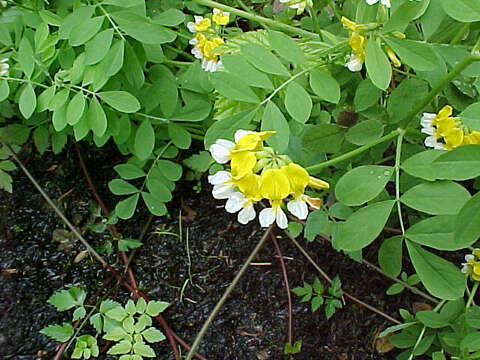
(445, 126)
(357, 43)
(242, 163)
(249, 185)
(298, 178)
(317, 183)
(203, 25)
(476, 268)
(393, 58)
(264, 135)
(248, 142)
(445, 112)
(454, 138)
(349, 24)
(220, 18)
(274, 184)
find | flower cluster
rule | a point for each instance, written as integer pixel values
(358, 43)
(207, 39)
(300, 5)
(446, 132)
(257, 173)
(4, 67)
(472, 265)
(383, 2)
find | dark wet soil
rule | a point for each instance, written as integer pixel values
(191, 272)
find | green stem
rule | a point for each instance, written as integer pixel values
(398, 155)
(225, 295)
(177, 63)
(316, 25)
(460, 34)
(180, 52)
(316, 168)
(472, 294)
(420, 337)
(260, 19)
(431, 95)
(115, 27)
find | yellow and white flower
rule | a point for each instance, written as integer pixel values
(201, 24)
(471, 266)
(244, 200)
(220, 17)
(355, 61)
(223, 185)
(274, 187)
(300, 5)
(383, 2)
(4, 67)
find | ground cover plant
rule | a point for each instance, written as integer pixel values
(344, 122)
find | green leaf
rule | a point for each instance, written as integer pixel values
(298, 103)
(172, 171)
(467, 226)
(295, 228)
(126, 208)
(238, 66)
(436, 232)
(58, 142)
(128, 243)
(40, 138)
(233, 88)
(79, 313)
(471, 342)
(461, 163)
(75, 109)
(405, 96)
(26, 58)
(97, 48)
(117, 313)
(143, 321)
(415, 54)
(7, 165)
(436, 198)
(27, 101)
(432, 319)
(364, 132)
(440, 277)
(59, 118)
(44, 99)
(225, 128)
(121, 187)
(263, 59)
(366, 95)
(96, 321)
(421, 164)
(141, 305)
(390, 255)
(471, 116)
(378, 66)
(317, 222)
(171, 17)
(96, 118)
(59, 99)
(62, 300)
(273, 119)
(362, 184)
(153, 335)
(113, 61)
(293, 349)
(4, 89)
(286, 47)
(121, 101)
(164, 91)
(154, 205)
(353, 235)
(144, 140)
(76, 17)
(156, 307)
(142, 29)
(129, 171)
(84, 31)
(317, 301)
(58, 332)
(462, 10)
(325, 86)
(404, 14)
(123, 347)
(143, 349)
(199, 162)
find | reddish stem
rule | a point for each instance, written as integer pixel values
(287, 286)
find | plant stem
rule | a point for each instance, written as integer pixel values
(472, 294)
(287, 286)
(316, 25)
(315, 168)
(398, 154)
(459, 35)
(260, 19)
(226, 294)
(445, 81)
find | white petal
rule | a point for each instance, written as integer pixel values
(282, 221)
(226, 13)
(298, 208)
(469, 257)
(219, 177)
(439, 146)
(464, 268)
(431, 141)
(354, 64)
(247, 214)
(429, 130)
(193, 41)
(426, 119)
(197, 18)
(191, 27)
(371, 2)
(386, 3)
(266, 217)
(225, 143)
(197, 53)
(220, 153)
(235, 202)
(223, 191)
(240, 134)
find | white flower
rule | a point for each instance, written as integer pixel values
(355, 63)
(469, 260)
(383, 2)
(298, 206)
(221, 150)
(427, 123)
(210, 65)
(238, 202)
(431, 141)
(269, 215)
(4, 67)
(223, 186)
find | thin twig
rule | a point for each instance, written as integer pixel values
(326, 277)
(287, 286)
(226, 294)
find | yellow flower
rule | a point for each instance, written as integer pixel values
(472, 138)
(244, 200)
(201, 24)
(274, 186)
(393, 58)
(220, 17)
(454, 138)
(357, 42)
(250, 140)
(242, 163)
(300, 5)
(349, 24)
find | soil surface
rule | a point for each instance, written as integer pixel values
(191, 271)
